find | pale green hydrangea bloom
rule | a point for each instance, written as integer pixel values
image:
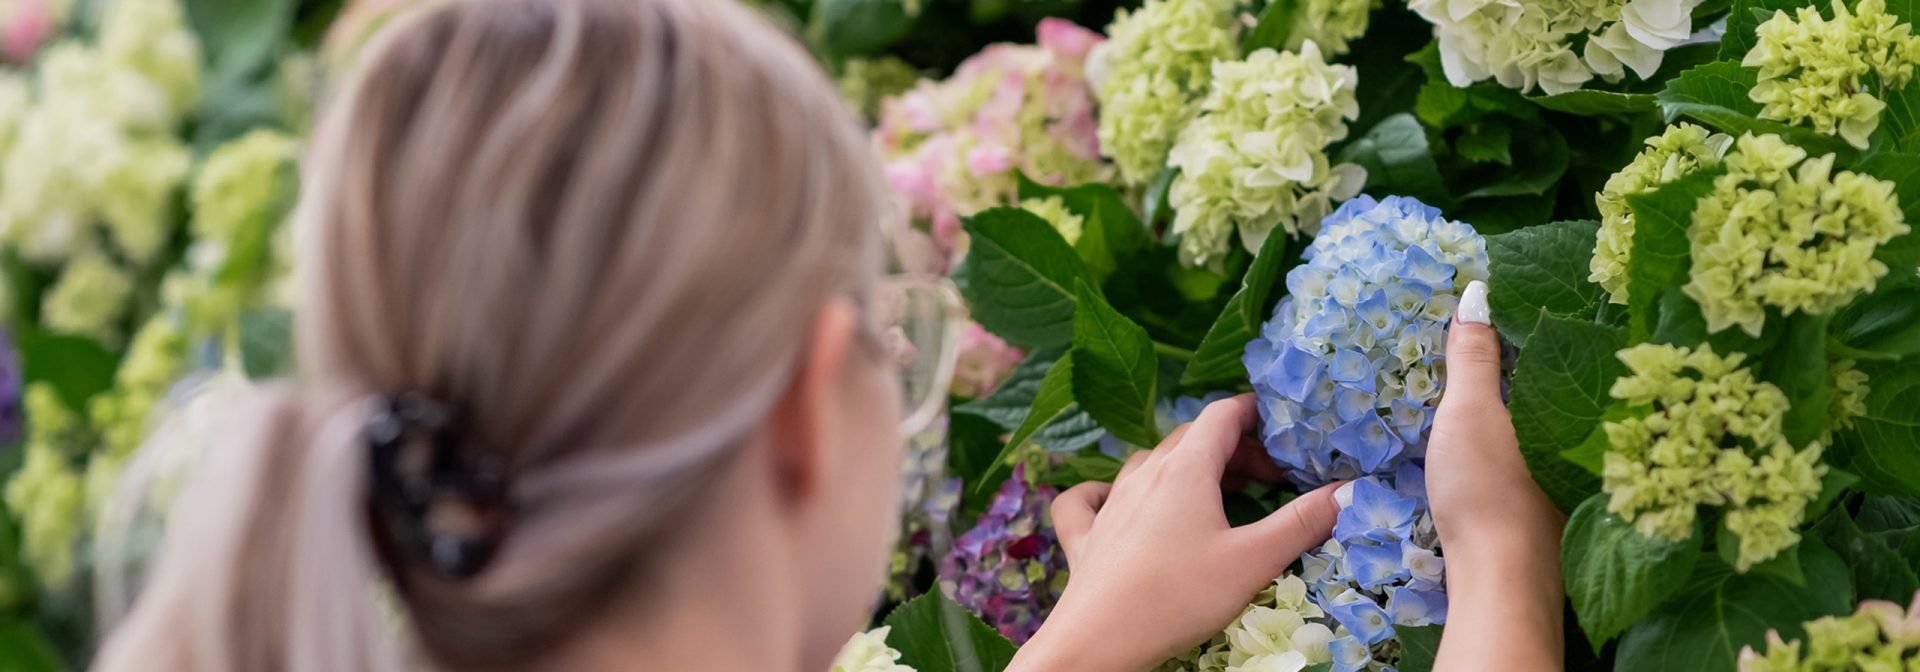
(1255, 159)
(1054, 210)
(136, 196)
(868, 652)
(156, 359)
(1150, 76)
(1668, 157)
(1529, 44)
(1786, 231)
(1880, 636)
(1281, 630)
(45, 495)
(1332, 24)
(16, 96)
(49, 182)
(151, 38)
(1849, 394)
(1666, 463)
(89, 299)
(1828, 72)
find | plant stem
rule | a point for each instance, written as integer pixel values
(1172, 351)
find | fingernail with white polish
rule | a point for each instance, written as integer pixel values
(1473, 304)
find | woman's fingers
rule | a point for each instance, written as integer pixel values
(1473, 353)
(1073, 512)
(1303, 524)
(1134, 462)
(1216, 434)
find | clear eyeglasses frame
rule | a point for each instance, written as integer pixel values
(918, 319)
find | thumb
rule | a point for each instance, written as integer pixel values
(1473, 354)
(1302, 525)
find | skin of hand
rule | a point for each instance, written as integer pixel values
(1500, 533)
(1156, 567)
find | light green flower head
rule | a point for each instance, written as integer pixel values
(89, 299)
(1054, 210)
(136, 196)
(1832, 73)
(1150, 76)
(1880, 636)
(1668, 157)
(1665, 463)
(46, 494)
(1332, 24)
(1282, 629)
(1255, 160)
(155, 360)
(151, 38)
(1786, 231)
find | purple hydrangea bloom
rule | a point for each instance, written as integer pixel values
(11, 390)
(1009, 569)
(1347, 369)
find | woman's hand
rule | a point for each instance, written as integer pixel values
(1156, 567)
(1500, 533)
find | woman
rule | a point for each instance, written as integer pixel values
(592, 377)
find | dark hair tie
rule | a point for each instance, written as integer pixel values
(440, 507)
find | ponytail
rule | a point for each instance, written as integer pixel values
(267, 564)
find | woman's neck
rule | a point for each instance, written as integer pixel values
(724, 601)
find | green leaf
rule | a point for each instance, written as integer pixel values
(1273, 28)
(1900, 121)
(1719, 612)
(1114, 369)
(1418, 646)
(1835, 483)
(1218, 357)
(1082, 467)
(1559, 397)
(1615, 576)
(77, 367)
(1486, 143)
(1661, 256)
(1879, 571)
(1715, 94)
(935, 634)
(1111, 231)
(1541, 268)
(1881, 447)
(24, 649)
(1884, 324)
(1588, 102)
(240, 38)
(266, 342)
(1798, 365)
(856, 27)
(1018, 277)
(1153, 203)
(1007, 407)
(1398, 161)
(1682, 323)
(1052, 400)
(973, 442)
(1883, 514)
(1542, 161)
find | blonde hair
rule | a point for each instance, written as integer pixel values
(600, 227)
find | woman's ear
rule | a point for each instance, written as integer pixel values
(803, 422)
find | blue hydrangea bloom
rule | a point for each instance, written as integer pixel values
(1347, 369)
(1382, 568)
(1009, 569)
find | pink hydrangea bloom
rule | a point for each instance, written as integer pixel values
(956, 146)
(984, 362)
(28, 26)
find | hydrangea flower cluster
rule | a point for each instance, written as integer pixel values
(241, 196)
(1332, 24)
(1151, 75)
(1666, 463)
(928, 499)
(91, 164)
(1255, 159)
(1817, 70)
(1849, 399)
(1348, 369)
(1668, 157)
(47, 494)
(1523, 45)
(155, 360)
(955, 147)
(11, 390)
(27, 24)
(983, 362)
(1281, 631)
(1054, 210)
(1381, 569)
(868, 652)
(1879, 636)
(1786, 231)
(1009, 568)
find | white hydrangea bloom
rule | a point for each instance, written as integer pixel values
(868, 652)
(1530, 44)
